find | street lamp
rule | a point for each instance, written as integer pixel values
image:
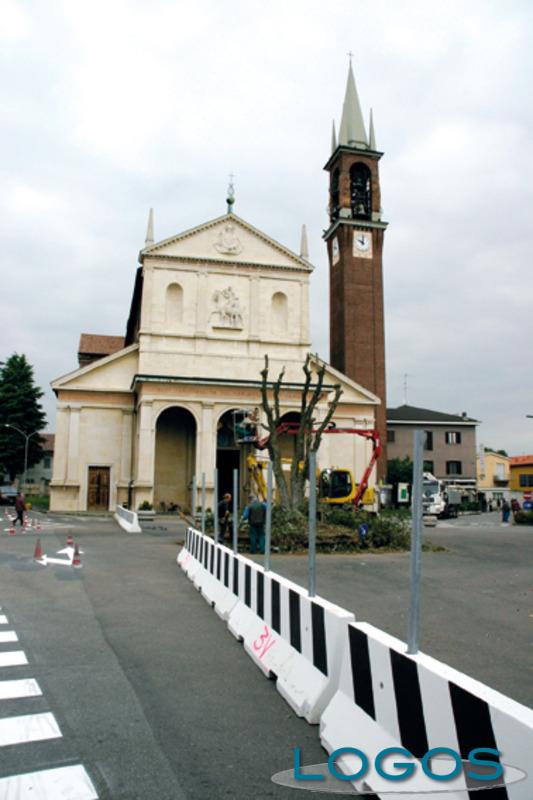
(27, 437)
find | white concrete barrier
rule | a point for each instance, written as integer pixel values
(127, 520)
(387, 698)
(290, 636)
(210, 567)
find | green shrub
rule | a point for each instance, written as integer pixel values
(145, 506)
(341, 516)
(392, 531)
(523, 518)
(40, 502)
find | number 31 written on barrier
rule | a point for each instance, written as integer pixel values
(264, 643)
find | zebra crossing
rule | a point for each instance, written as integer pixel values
(70, 782)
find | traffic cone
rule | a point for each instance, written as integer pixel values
(11, 530)
(70, 540)
(38, 554)
(76, 560)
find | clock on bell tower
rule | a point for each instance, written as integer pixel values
(355, 244)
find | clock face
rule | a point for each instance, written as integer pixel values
(362, 244)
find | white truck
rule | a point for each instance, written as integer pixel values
(439, 500)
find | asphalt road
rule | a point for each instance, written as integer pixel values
(156, 699)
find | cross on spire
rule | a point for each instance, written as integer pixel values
(350, 56)
(230, 199)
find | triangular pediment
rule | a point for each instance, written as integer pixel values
(112, 373)
(227, 239)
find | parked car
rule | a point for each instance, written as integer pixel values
(7, 495)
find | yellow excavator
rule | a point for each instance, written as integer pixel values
(335, 486)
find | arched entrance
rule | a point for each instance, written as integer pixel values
(175, 453)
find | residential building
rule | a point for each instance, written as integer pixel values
(449, 442)
(521, 477)
(493, 474)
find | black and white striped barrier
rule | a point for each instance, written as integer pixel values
(210, 567)
(387, 698)
(288, 635)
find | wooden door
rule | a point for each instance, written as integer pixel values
(98, 491)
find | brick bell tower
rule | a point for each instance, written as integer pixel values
(355, 245)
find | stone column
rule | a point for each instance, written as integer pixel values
(254, 326)
(73, 466)
(202, 303)
(146, 448)
(206, 453)
(125, 450)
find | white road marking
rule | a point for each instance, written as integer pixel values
(28, 728)
(14, 658)
(68, 783)
(3, 619)
(24, 687)
(8, 636)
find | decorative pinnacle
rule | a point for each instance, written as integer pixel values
(372, 133)
(230, 199)
(333, 138)
(150, 229)
(304, 247)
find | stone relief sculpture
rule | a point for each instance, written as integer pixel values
(227, 313)
(227, 241)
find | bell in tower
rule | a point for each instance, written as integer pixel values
(355, 246)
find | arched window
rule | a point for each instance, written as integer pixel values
(335, 194)
(173, 305)
(280, 312)
(360, 191)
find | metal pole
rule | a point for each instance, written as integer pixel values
(194, 499)
(26, 460)
(203, 503)
(215, 504)
(311, 584)
(268, 524)
(416, 542)
(235, 510)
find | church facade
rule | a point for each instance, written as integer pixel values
(144, 415)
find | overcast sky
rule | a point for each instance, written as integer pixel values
(110, 107)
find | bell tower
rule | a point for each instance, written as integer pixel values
(354, 240)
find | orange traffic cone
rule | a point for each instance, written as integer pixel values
(11, 530)
(38, 554)
(76, 560)
(70, 540)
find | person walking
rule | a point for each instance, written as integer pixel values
(20, 508)
(224, 516)
(506, 510)
(255, 515)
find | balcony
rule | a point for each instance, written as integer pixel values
(499, 481)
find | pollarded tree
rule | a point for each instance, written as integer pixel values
(309, 434)
(20, 407)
